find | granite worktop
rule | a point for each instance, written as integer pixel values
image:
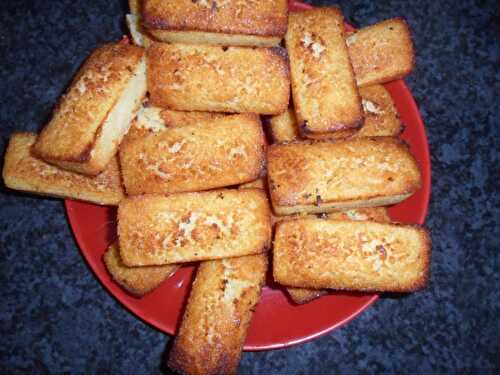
(55, 317)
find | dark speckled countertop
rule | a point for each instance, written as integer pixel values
(56, 318)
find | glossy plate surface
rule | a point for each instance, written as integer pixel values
(277, 322)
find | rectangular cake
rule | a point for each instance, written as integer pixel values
(350, 255)
(187, 227)
(310, 177)
(382, 52)
(91, 119)
(220, 22)
(211, 154)
(22, 171)
(217, 316)
(218, 79)
(324, 91)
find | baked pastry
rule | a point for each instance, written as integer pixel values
(324, 91)
(378, 214)
(234, 23)
(218, 79)
(22, 171)
(138, 281)
(134, 24)
(381, 119)
(217, 316)
(187, 227)
(90, 121)
(312, 177)
(152, 119)
(382, 52)
(351, 255)
(211, 154)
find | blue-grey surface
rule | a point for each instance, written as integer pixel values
(55, 317)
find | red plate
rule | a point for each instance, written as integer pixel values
(277, 322)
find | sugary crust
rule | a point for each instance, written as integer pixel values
(72, 135)
(211, 154)
(348, 255)
(151, 119)
(218, 314)
(382, 52)
(138, 281)
(245, 17)
(218, 79)
(325, 94)
(378, 214)
(24, 172)
(327, 176)
(186, 227)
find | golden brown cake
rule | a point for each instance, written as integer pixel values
(211, 154)
(350, 255)
(378, 214)
(221, 22)
(382, 52)
(217, 316)
(91, 119)
(381, 119)
(138, 281)
(22, 171)
(312, 177)
(187, 227)
(324, 91)
(151, 119)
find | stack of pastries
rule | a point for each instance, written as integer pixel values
(169, 128)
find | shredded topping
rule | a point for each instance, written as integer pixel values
(313, 45)
(371, 107)
(150, 118)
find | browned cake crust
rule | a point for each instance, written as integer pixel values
(378, 214)
(381, 119)
(218, 79)
(301, 296)
(152, 119)
(349, 255)
(325, 94)
(22, 171)
(186, 227)
(92, 117)
(284, 127)
(219, 310)
(138, 281)
(261, 22)
(211, 154)
(382, 52)
(311, 177)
